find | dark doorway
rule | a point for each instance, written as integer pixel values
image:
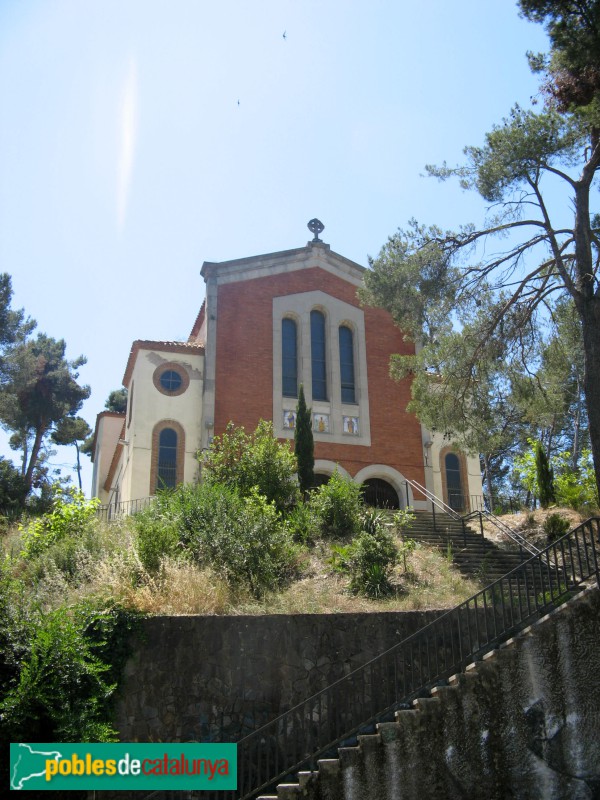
(380, 494)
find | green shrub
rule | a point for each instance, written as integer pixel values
(60, 669)
(576, 488)
(258, 460)
(368, 560)
(338, 506)
(555, 526)
(156, 538)
(242, 538)
(302, 524)
(71, 516)
(373, 520)
(245, 542)
(405, 548)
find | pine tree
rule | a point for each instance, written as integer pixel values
(304, 446)
(545, 477)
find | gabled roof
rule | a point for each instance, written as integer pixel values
(115, 460)
(198, 323)
(101, 415)
(166, 347)
(315, 254)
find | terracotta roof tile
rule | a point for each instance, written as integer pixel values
(149, 344)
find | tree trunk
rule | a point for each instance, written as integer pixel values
(576, 427)
(488, 480)
(35, 449)
(589, 310)
(78, 465)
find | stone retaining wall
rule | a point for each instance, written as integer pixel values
(195, 678)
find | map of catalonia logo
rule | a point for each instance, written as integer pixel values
(125, 766)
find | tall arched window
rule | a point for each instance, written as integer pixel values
(289, 358)
(317, 354)
(454, 487)
(168, 455)
(167, 459)
(347, 365)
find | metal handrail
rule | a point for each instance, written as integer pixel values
(508, 531)
(516, 537)
(434, 499)
(297, 738)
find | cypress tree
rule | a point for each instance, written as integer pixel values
(304, 446)
(545, 477)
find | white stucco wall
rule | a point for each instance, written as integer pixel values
(472, 485)
(148, 407)
(108, 432)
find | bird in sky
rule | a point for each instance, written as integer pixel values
(285, 34)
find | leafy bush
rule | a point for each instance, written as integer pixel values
(60, 669)
(372, 520)
(258, 460)
(405, 548)
(368, 560)
(242, 538)
(338, 506)
(576, 488)
(157, 535)
(302, 524)
(245, 542)
(71, 516)
(555, 526)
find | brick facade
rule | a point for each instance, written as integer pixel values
(244, 369)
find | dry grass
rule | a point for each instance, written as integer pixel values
(530, 524)
(108, 566)
(430, 582)
(179, 589)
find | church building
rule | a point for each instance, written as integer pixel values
(268, 324)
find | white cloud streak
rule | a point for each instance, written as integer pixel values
(127, 121)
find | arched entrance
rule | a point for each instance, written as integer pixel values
(380, 494)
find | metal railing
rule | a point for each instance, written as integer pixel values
(435, 501)
(525, 548)
(510, 532)
(115, 511)
(297, 738)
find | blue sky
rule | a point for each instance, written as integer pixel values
(139, 138)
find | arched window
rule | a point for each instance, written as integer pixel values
(454, 488)
(168, 455)
(289, 358)
(167, 459)
(347, 365)
(317, 354)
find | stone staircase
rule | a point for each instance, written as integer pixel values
(522, 722)
(476, 556)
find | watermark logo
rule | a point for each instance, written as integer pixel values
(122, 766)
